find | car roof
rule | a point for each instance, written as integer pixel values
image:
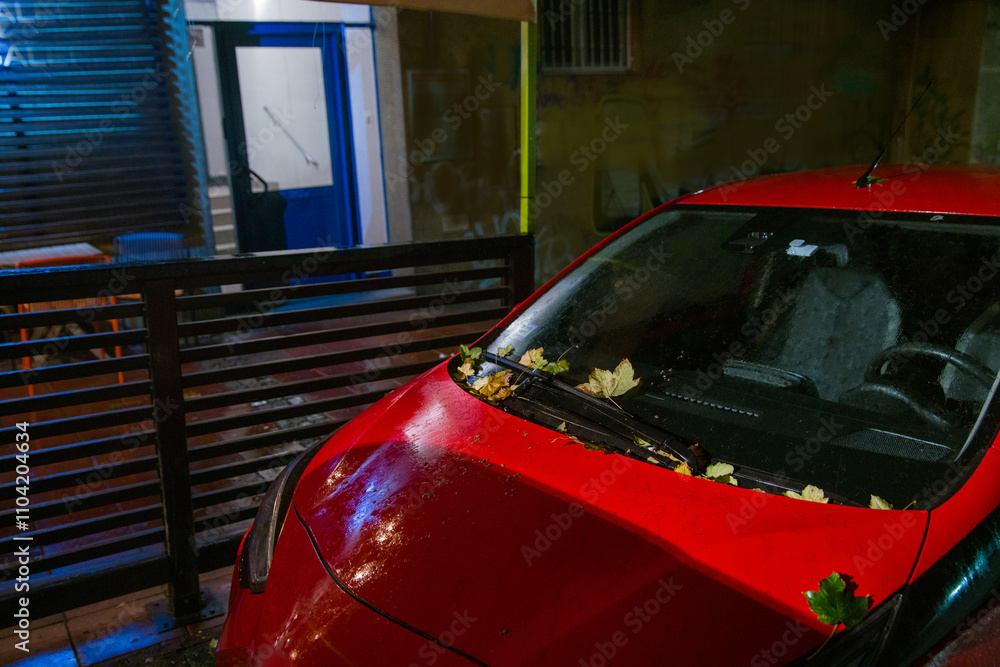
(907, 188)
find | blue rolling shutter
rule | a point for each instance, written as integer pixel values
(89, 147)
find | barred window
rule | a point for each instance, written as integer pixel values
(584, 35)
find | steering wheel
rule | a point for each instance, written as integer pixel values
(960, 360)
(878, 388)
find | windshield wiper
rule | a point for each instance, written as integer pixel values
(623, 431)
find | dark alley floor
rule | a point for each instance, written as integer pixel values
(119, 632)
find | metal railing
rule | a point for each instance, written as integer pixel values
(155, 430)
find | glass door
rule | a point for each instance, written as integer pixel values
(286, 120)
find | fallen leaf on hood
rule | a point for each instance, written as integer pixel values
(810, 493)
(833, 604)
(608, 384)
(495, 387)
(879, 503)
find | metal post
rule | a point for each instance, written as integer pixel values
(529, 91)
(171, 448)
(522, 272)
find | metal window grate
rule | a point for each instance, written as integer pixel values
(584, 35)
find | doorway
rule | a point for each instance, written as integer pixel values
(286, 120)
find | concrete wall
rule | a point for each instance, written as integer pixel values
(717, 90)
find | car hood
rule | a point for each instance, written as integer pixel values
(516, 545)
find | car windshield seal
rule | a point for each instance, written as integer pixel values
(602, 416)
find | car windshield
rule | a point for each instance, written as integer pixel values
(847, 350)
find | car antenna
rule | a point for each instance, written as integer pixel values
(866, 179)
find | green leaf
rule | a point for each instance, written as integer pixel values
(505, 351)
(469, 354)
(810, 493)
(535, 359)
(879, 503)
(833, 604)
(720, 472)
(470, 362)
(608, 384)
(557, 367)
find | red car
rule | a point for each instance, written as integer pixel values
(755, 426)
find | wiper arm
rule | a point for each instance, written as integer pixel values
(604, 416)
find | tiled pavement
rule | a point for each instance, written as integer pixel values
(119, 632)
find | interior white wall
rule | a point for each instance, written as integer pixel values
(365, 123)
(362, 89)
(305, 11)
(209, 101)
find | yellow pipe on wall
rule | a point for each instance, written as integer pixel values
(529, 91)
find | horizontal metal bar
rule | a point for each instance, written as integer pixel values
(285, 317)
(264, 440)
(266, 266)
(220, 424)
(287, 293)
(65, 399)
(108, 366)
(53, 594)
(214, 522)
(143, 538)
(78, 529)
(216, 553)
(84, 342)
(68, 425)
(271, 343)
(47, 318)
(317, 361)
(207, 475)
(300, 387)
(82, 477)
(229, 494)
(79, 450)
(85, 501)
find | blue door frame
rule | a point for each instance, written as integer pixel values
(299, 218)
